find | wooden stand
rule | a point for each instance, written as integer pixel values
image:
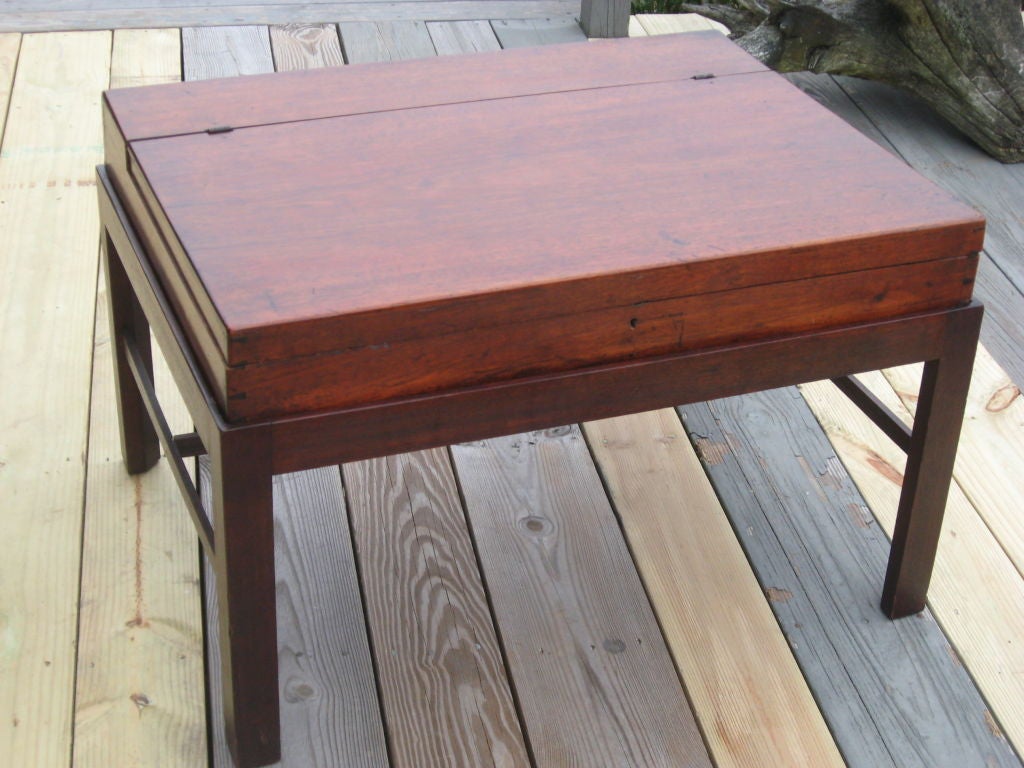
(794, 315)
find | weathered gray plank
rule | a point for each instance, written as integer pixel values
(594, 680)
(941, 153)
(519, 33)
(366, 41)
(1002, 331)
(457, 37)
(301, 46)
(893, 692)
(329, 710)
(442, 680)
(825, 90)
(283, 13)
(913, 132)
(209, 52)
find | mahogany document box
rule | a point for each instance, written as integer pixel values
(352, 262)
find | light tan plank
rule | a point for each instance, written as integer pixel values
(48, 269)
(976, 593)
(10, 43)
(145, 57)
(723, 636)
(594, 680)
(674, 23)
(139, 698)
(300, 46)
(446, 697)
(990, 460)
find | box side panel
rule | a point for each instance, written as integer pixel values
(200, 336)
(482, 355)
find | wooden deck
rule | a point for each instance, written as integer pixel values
(551, 599)
(35, 16)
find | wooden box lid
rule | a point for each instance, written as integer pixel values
(320, 212)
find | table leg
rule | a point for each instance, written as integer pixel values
(940, 412)
(244, 568)
(140, 446)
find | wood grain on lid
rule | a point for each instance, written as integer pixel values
(616, 194)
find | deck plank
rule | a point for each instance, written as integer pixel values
(19, 19)
(10, 44)
(593, 677)
(329, 703)
(329, 710)
(976, 593)
(552, 599)
(302, 46)
(140, 696)
(893, 692)
(674, 23)
(938, 151)
(520, 33)
(52, 142)
(367, 41)
(456, 37)
(206, 54)
(725, 640)
(442, 679)
(209, 52)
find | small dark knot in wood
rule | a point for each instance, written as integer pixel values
(536, 526)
